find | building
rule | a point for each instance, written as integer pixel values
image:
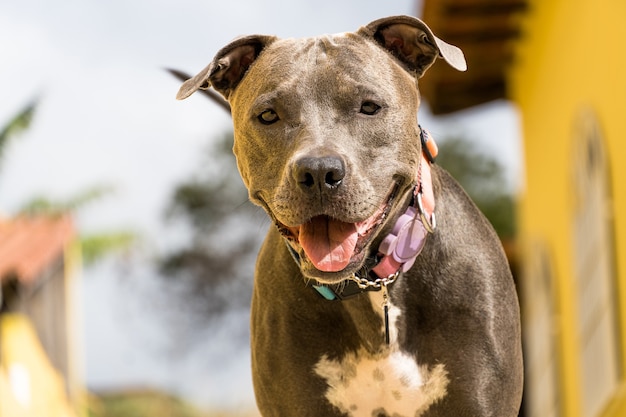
(562, 63)
(38, 354)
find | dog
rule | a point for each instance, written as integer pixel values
(382, 291)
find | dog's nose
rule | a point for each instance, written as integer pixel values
(319, 172)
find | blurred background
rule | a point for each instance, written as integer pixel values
(127, 243)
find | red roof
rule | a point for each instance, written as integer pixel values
(30, 244)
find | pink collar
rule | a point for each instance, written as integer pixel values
(400, 248)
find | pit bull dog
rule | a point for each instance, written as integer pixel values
(382, 290)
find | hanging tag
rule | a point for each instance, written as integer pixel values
(385, 306)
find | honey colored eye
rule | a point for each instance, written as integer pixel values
(267, 117)
(369, 108)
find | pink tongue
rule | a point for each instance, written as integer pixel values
(328, 243)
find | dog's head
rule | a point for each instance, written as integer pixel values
(326, 133)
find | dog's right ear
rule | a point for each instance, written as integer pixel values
(228, 67)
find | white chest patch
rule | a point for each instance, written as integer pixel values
(389, 384)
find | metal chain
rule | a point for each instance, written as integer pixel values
(365, 283)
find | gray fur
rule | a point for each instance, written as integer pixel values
(458, 303)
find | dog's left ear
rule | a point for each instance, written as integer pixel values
(412, 42)
(228, 67)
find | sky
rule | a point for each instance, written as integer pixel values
(107, 115)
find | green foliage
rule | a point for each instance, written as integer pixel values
(93, 246)
(140, 404)
(96, 246)
(209, 196)
(153, 403)
(211, 272)
(483, 179)
(16, 125)
(45, 205)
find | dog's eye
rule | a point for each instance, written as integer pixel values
(370, 108)
(267, 117)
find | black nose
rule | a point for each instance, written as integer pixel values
(326, 172)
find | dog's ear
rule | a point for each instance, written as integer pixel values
(412, 42)
(228, 67)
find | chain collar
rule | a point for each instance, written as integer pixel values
(376, 284)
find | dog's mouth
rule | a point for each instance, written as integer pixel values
(332, 245)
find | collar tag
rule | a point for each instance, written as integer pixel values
(385, 306)
(402, 246)
(326, 292)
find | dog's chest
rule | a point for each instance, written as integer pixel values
(382, 385)
(386, 384)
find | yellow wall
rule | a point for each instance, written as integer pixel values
(572, 56)
(29, 384)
